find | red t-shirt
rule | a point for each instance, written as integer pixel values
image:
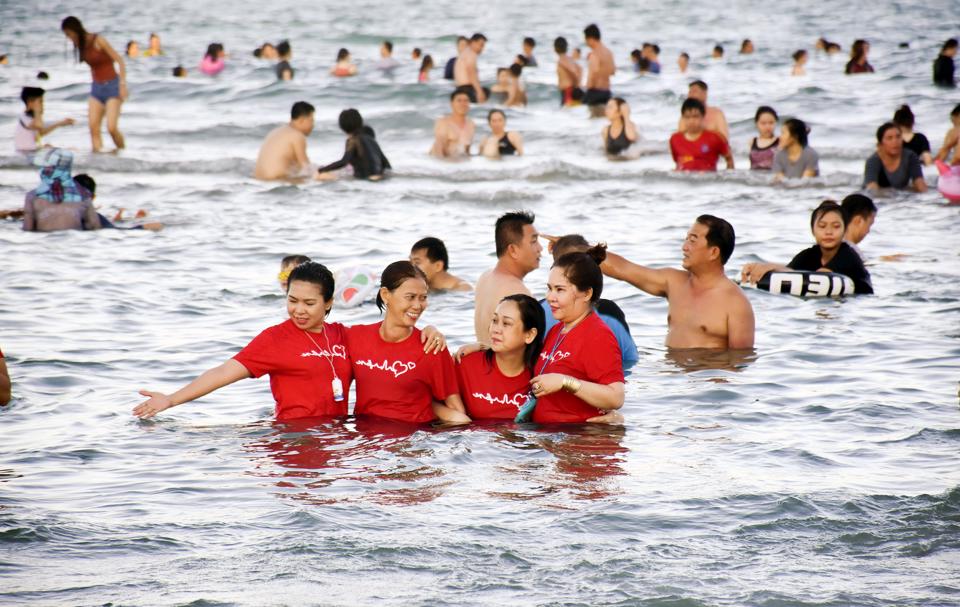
(590, 353)
(300, 374)
(398, 380)
(701, 154)
(486, 392)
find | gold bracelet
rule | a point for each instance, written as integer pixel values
(570, 384)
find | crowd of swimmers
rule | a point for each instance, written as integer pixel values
(560, 360)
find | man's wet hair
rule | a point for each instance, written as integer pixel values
(699, 84)
(720, 234)
(388, 45)
(857, 205)
(301, 109)
(528, 41)
(509, 229)
(477, 37)
(283, 49)
(86, 182)
(29, 93)
(560, 45)
(591, 31)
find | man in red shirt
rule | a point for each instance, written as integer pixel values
(696, 149)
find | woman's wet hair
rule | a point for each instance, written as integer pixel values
(904, 117)
(882, 130)
(859, 49)
(72, 24)
(798, 54)
(532, 317)
(582, 269)
(620, 101)
(395, 275)
(350, 121)
(798, 130)
(214, 50)
(314, 273)
(427, 63)
(492, 112)
(827, 206)
(342, 54)
(765, 109)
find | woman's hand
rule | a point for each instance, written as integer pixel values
(613, 418)
(155, 404)
(469, 349)
(541, 385)
(123, 91)
(433, 340)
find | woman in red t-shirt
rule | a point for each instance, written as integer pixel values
(579, 371)
(306, 358)
(494, 384)
(395, 378)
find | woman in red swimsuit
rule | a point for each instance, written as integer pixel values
(109, 90)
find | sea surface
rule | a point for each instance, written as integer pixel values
(821, 471)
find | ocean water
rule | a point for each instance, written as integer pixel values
(822, 471)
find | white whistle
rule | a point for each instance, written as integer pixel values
(337, 386)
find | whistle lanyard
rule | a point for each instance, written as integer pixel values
(556, 345)
(336, 385)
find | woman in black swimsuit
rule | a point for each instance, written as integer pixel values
(621, 133)
(500, 142)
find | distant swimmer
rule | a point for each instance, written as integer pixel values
(430, 256)
(30, 128)
(951, 141)
(858, 63)
(528, 59)
(763, 147)
(713, 117)
(361, 151)
(915, 142)
(518, 251)
(154, 50)
(651, 52)
(705, 308)
(717, 52)
(799, 61)
(830, 48)
(893, 166)
(943, 66)
(683, 62)
(59, 202)
(425, 67)
(109, 89)
(569, 75)
(344, 66)
(453, 134)
(283, 68)
(515, 93)
(829, 254)
(266, 51)
(621, 133)
(694, 148)
(795, 159)
(500, 142)
(287, 264)
(283, 154)
(179, 72)
(214, 60)
(465, 72)
(600, 67)
(133, 49)
(746, 47)
(387, 63)
(448, 69)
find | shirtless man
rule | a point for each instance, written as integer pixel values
(706, 309)
(283, 154)
(430, 256)
(569, 74)
(518, 254)
(714, 119)
(453, 134)
(600, 67)
(465, 73)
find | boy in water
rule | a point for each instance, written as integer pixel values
(859, 213)
(569, 75)
(30, 128)
(430, 256)
(694, 148)
(287, 264)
